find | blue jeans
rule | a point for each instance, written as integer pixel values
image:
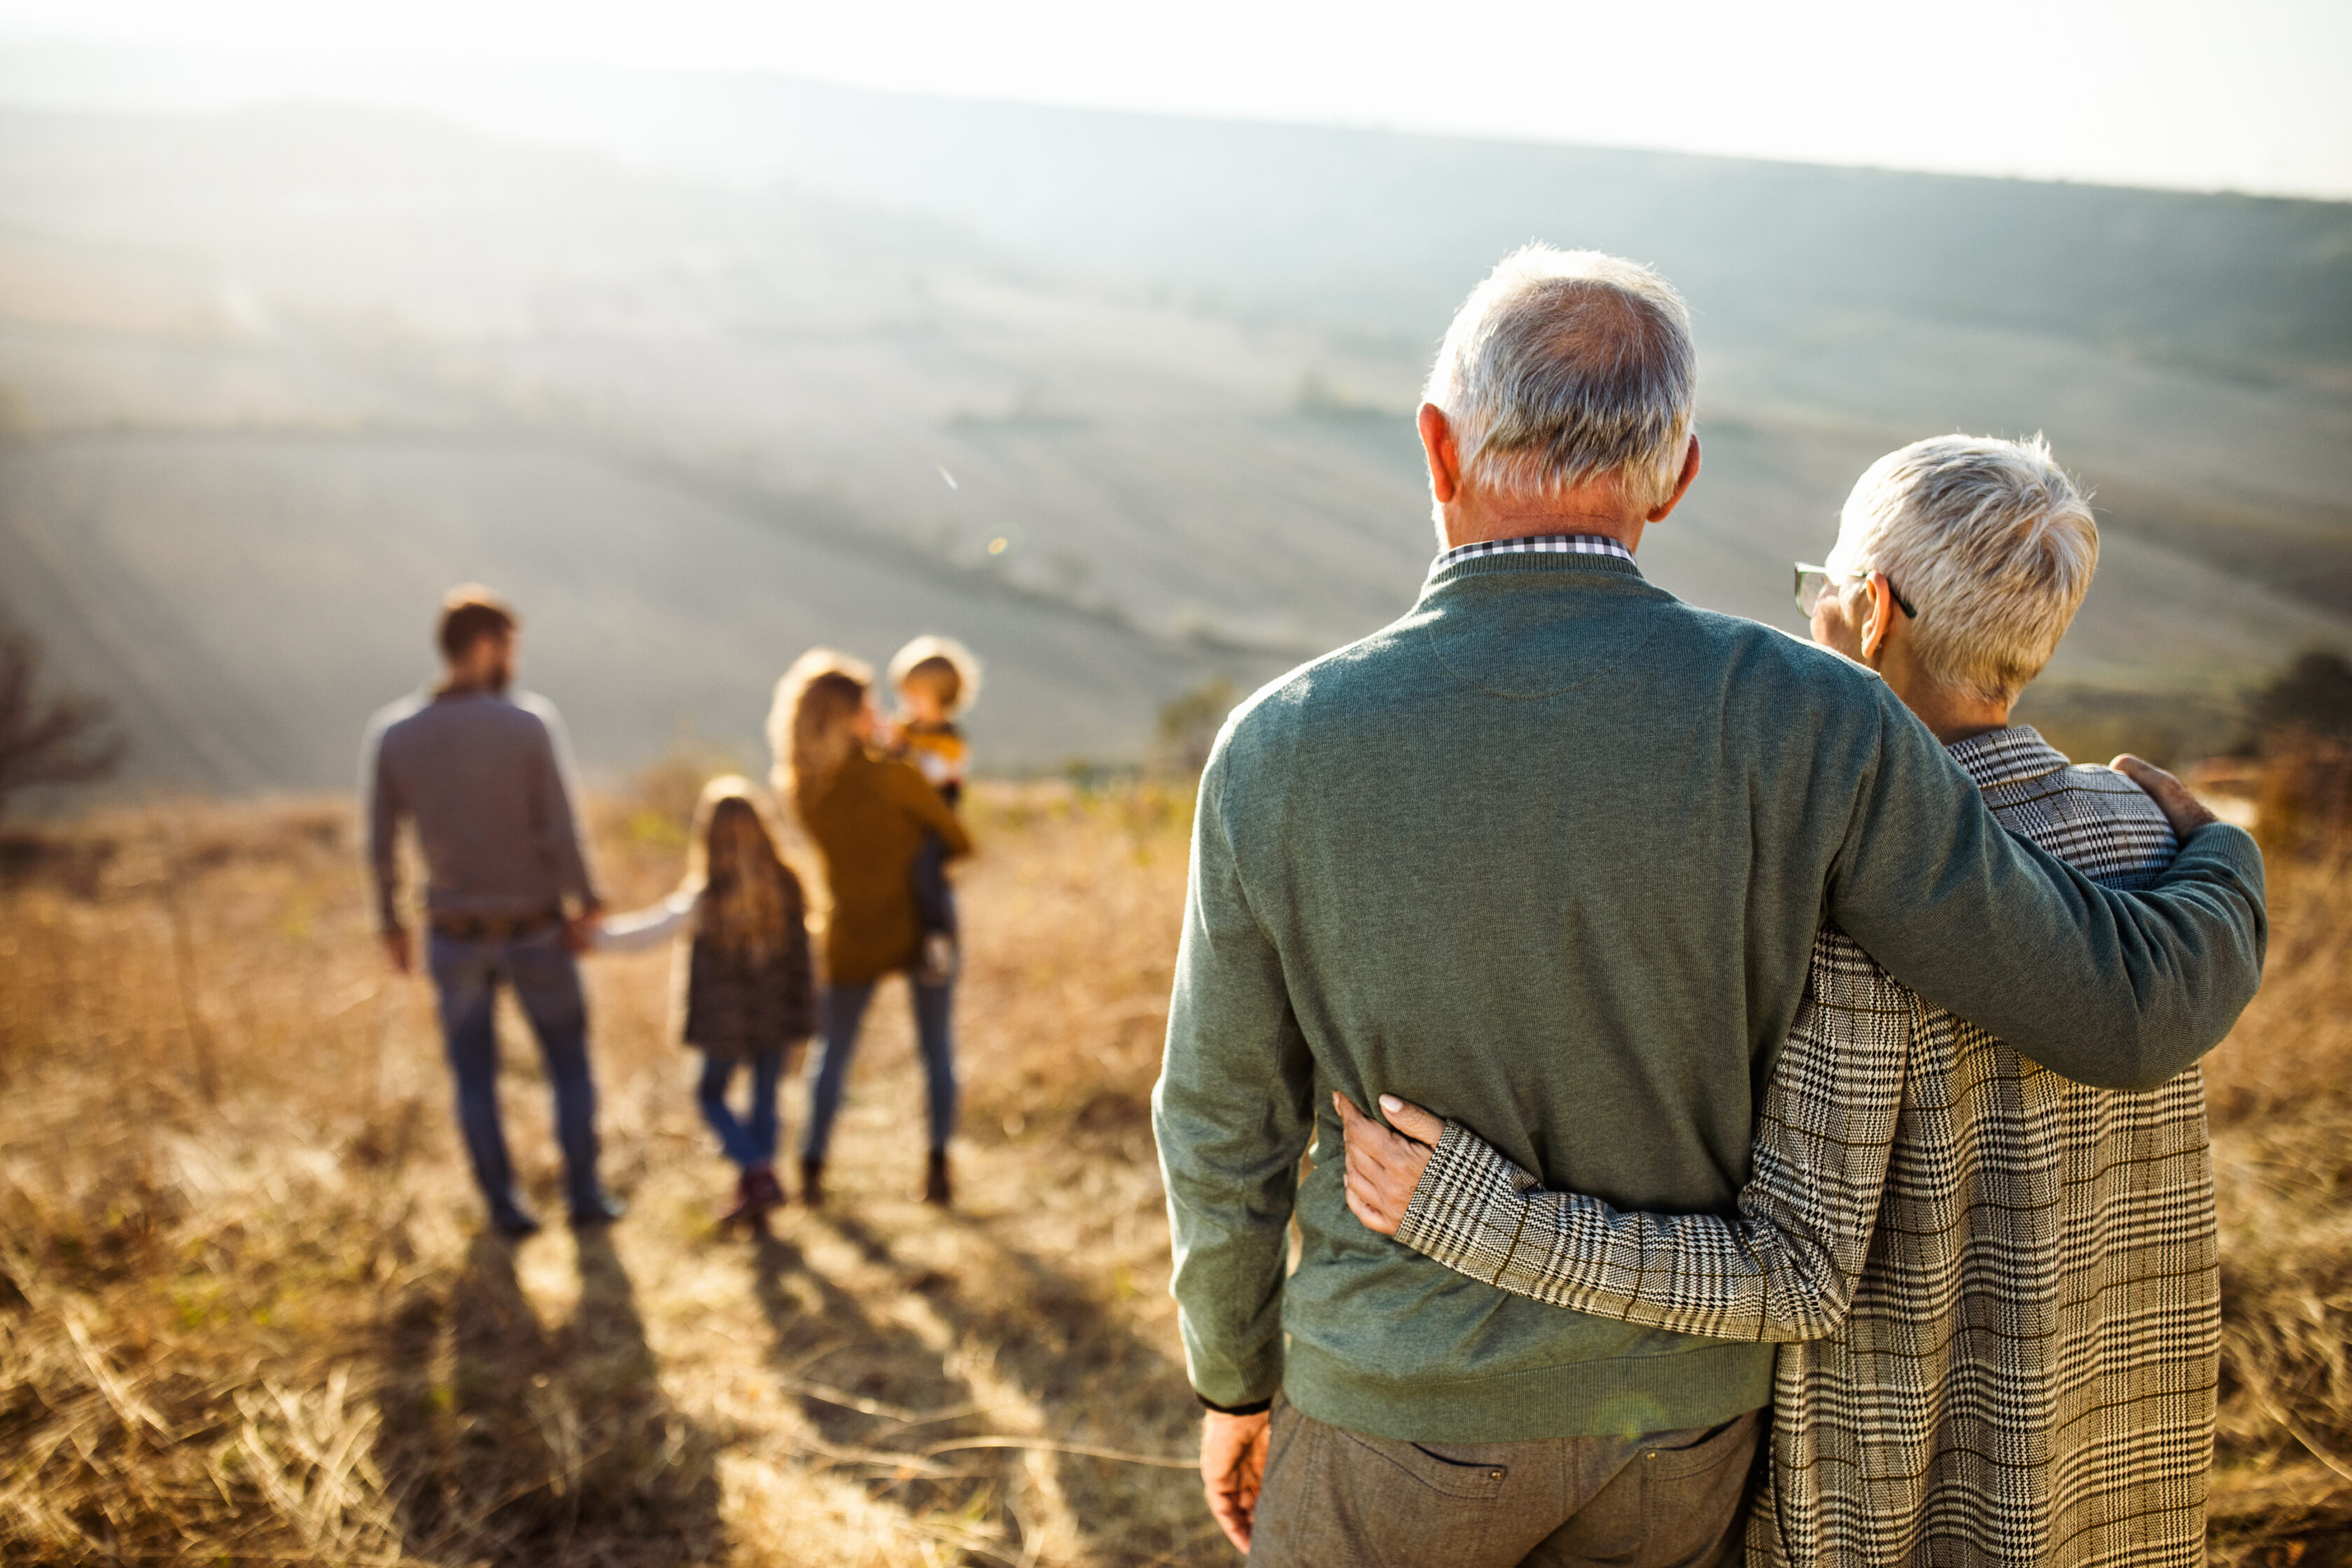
(845, 1011)
(750, 1141)
(546, 982)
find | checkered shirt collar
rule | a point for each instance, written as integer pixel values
(1533, 544)
(2008, 756)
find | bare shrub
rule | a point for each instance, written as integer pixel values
(56, 741)
(1188, 724)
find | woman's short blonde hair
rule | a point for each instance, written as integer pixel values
(1990, 542)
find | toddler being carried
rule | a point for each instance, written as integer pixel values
(936, 679)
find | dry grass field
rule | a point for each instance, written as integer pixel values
(2280, 1099)
(248, 1314)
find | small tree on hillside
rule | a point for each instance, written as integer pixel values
(1189, 725)
(61, 741)
(2313, 698)
(2302, 724)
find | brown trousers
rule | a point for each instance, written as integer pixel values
(1335, 1498)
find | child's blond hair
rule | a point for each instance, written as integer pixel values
(942, 665)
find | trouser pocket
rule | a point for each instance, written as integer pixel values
(1450, 1471)
(1342, 1499)
(1692, 1487)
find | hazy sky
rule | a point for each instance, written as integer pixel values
(2249, 96)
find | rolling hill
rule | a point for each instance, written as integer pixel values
(1122, 401)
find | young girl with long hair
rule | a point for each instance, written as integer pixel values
(746, 994)
(868, 815)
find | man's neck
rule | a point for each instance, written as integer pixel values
(1478, 520)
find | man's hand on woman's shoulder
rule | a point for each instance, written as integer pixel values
(2183, 810)
(1385, 1162)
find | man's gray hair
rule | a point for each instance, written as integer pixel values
(1566, 366)
(1991, 544)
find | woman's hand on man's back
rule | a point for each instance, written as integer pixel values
(1385, 1162)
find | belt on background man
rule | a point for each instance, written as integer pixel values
(493, 928)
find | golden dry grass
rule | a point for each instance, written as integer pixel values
(2280, 1090)
(246, 1312)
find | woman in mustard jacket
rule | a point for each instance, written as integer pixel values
(868, 815)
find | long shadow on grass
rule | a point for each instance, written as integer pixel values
(1095, 1383)
(510, 1443)
(870, 1385)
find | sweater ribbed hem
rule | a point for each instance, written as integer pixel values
(1702, 1386)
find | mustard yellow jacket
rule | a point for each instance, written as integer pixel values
(869, 824)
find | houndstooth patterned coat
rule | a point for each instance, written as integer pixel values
(1996, 1288)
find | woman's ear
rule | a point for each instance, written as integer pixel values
(1881, 617)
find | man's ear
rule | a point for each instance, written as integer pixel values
(1444, 458)
(1682, 485)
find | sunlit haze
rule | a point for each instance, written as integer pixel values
(2155, 92)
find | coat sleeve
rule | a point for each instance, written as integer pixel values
(641, 930)
(2114, 989)
(928, 807)
(1786, 1266)
(1232, 1115)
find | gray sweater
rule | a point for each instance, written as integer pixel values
(488, 781)
(1547, 857)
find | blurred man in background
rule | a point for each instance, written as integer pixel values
(510, 897)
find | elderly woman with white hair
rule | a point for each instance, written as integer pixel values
(1995, 1288)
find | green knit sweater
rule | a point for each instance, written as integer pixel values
(1548, 855)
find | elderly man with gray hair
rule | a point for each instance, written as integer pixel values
(1549, 856)
(2008, 1279)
